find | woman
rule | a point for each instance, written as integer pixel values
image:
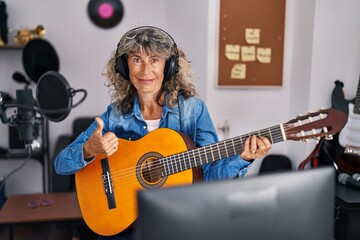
(152, 87)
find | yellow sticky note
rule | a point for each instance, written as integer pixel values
(232, 51)
(238, 71)
(252, 35)
(264, 55)
(248, 53)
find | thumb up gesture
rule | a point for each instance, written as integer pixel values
(100, 144)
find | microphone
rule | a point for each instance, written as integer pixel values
(20, 78)
(353, 180)
(25, 118)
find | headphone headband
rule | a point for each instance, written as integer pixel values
(146, 27)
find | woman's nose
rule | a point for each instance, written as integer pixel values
(145, 67)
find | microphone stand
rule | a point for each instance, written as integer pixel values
(27, 152)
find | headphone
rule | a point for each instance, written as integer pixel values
(171, 64)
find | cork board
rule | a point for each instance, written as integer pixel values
(251, 43)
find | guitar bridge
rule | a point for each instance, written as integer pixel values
(108, 187)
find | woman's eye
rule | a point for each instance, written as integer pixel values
(137, 60)
(154, 60)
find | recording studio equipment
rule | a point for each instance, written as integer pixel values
(26, 122)
(20, 78)
(350, 180)
(54, 102)
(4, 97)
(54, 96)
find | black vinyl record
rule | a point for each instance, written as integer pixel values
(105, 13)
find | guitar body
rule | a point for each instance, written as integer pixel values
(126, 167)
(345, 132)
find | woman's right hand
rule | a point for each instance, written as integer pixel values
(99, 144)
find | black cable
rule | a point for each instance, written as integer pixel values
(28, 148)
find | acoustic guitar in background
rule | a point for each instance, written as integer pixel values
(107, 188)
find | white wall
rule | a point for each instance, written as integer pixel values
(321, 45)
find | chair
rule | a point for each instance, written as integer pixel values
(275, 163)
(61, 183)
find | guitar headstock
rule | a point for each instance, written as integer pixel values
(315, 125)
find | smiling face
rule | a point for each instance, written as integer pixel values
(146, 72)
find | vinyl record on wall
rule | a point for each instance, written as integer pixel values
(105, 13)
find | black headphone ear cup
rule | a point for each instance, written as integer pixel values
(170, 68)
(122, 67)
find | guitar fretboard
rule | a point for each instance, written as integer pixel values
(357, 100)
(217, 151)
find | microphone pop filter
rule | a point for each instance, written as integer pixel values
(54, 96)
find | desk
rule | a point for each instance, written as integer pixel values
(65, 207)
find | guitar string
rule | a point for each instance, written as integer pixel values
(127, 182)
(124, 173)
(171, 160)
(354, 130)
(237, 140)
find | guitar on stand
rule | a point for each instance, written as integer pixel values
(350, 135)
(349, 138)
(344, 149)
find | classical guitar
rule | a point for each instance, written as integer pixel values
(107, 188)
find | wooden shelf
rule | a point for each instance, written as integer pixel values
(12, 47)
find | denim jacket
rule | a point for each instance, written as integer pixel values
(194, 120)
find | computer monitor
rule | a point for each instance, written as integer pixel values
(294, 205)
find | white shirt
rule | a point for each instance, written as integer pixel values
(152, 124)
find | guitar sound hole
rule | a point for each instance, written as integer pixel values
(149, 171)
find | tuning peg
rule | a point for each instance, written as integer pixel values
(325, 129)
(329, 137)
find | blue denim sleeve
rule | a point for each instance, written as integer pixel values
(71, 159)
(226, 168)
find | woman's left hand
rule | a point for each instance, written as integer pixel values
(255, 147)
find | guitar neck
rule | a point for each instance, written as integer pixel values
(357, 100)
(217, 151)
